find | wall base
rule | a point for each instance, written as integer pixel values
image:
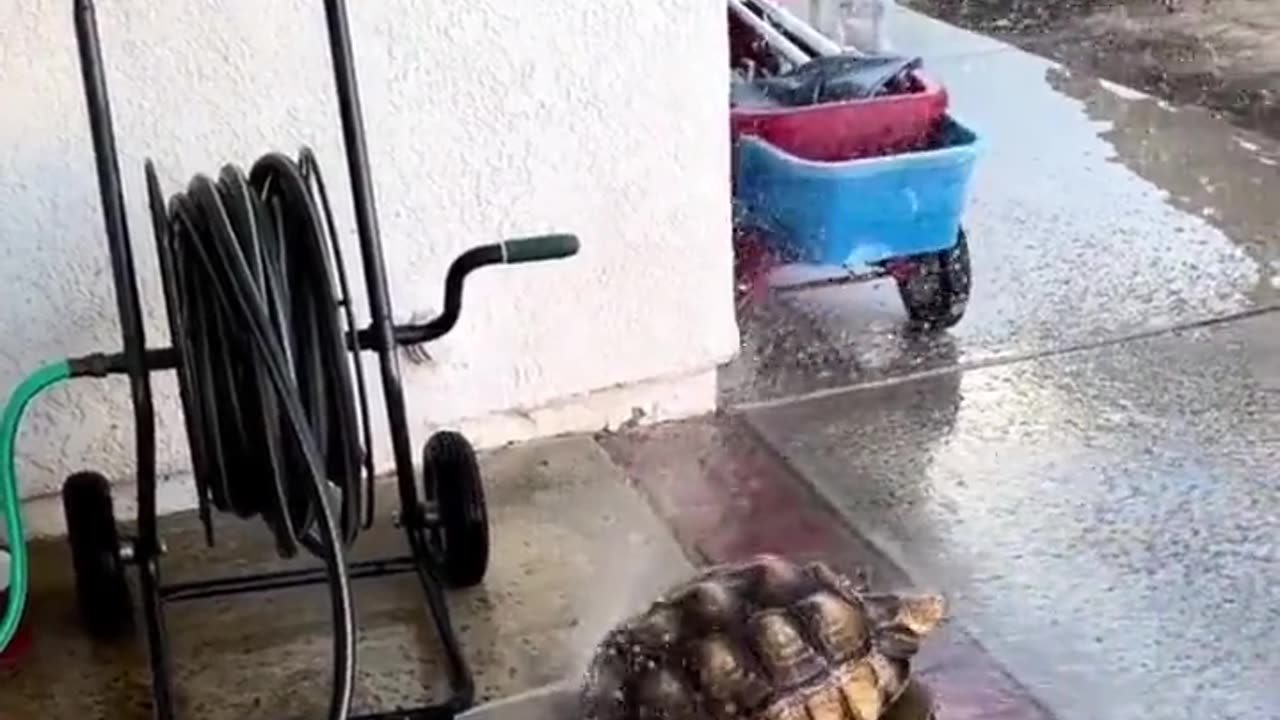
(646, 402)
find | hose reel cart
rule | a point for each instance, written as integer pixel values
(267, 359)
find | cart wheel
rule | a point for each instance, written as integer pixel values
(102, 590)
(936, 290)
(451, 475)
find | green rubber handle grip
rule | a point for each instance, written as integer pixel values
(540, 247)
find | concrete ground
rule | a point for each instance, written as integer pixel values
(1105, 521)
(562, 515)
(1086, 462)
(1219, 54)
(586, 530)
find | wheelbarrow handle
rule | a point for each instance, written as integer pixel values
(539, 247)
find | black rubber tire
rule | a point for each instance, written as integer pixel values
(935, 293)
(451, 475)
(102, 587)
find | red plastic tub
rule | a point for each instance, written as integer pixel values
(904, 120)
(832, 132)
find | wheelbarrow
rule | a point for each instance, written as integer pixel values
(889, 215)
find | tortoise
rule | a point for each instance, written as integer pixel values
(764, 639)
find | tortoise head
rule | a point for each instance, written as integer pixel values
(900, 622)
(919, 614)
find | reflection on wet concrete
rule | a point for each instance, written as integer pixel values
(1231, 178)
(786, 353)
(727, 496)
(1068, 246)
(1104, 520)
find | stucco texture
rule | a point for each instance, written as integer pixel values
(486, 118)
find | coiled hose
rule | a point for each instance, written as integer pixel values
(262, 372)
(262, 364)
(10, 503)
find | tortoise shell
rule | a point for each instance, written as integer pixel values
(767, 639)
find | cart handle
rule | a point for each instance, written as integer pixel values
(509, 252)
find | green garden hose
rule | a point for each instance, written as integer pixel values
(9, 501)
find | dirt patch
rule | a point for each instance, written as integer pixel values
(1219, 54)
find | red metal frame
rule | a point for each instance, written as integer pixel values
(746, 46)
(12, 655)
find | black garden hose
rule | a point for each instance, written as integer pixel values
(262, 361)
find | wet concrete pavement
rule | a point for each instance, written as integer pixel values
(586, 530)
(1105, 521)
(1087, 462)
(727, 496)
(1096, 214)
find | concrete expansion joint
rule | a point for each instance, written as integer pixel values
(1008, 359)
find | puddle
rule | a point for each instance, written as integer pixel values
(1226, 176)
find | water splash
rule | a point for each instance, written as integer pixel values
(628, 573)
(550, 702)
(637, 572)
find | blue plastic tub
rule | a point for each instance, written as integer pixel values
(856, 212)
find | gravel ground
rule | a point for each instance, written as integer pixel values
(1213, 53)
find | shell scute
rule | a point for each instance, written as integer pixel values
(765, 639)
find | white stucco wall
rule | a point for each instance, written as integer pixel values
(487, 118)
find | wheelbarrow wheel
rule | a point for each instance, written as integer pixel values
(935, 291)
(451, 475)
(102, 588)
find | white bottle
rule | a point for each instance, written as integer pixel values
(859, 24)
